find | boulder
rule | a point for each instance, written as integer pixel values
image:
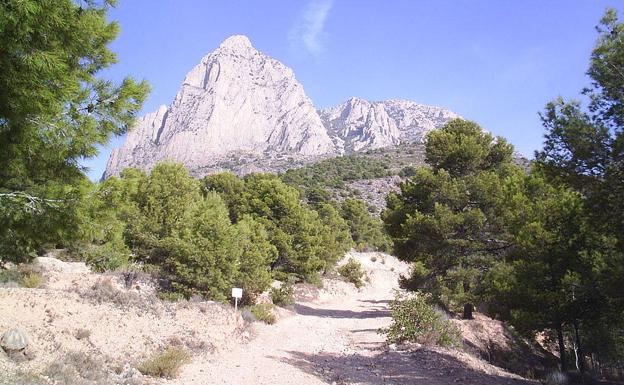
(56, 265)
(14, 340)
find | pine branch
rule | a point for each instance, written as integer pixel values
(32, 202)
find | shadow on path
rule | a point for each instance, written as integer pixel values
(334, 313)
(422, 367)
(385, 301)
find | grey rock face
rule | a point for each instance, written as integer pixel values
(235, 100)
(243, 111)
(14, 340)
(358, 124)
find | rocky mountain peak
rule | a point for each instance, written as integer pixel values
(236, 42)
(235, 102)
(241, 110)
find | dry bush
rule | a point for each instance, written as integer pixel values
(25, 275)
(103, 291)
(32, 281)
(556, 378)
(77, 368)
(191, 343)
(166, 364)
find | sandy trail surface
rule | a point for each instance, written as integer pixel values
(336, 341)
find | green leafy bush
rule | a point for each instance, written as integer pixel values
(10, 276)
(352, 272)
(25, 275)
(415, 320)
(264, 312)
(166, 364)
(284, 295)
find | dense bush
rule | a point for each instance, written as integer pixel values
(208, 236)
(415, 320)
(352, 271)
(307, 241)
(366, 230)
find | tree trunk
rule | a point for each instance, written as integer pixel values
(562, 351)
(468, 307)
(580, 361)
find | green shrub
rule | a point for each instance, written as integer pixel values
(263, 312)
(166, 364)
(366, 230)
(352, 272)
(10, 275)
(25, 275)
(415, 320)
(284, 295)
(107, 257)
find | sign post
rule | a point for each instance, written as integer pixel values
(237, 293)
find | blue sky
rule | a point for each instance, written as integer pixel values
(497, 62)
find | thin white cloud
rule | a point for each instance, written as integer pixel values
(308, 31)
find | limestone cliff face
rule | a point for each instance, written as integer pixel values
(235, 100)
(243, 111)
(357, 124)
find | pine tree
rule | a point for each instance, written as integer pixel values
(54, 111)
(448, 220)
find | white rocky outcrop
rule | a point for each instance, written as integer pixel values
(235, 100)
(359, 124)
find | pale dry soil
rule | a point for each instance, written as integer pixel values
(336, 340)
(330, 336)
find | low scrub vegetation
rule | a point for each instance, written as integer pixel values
(335, 172)
(166, 364)
(352, 271)
(263, 312)
(24, 275)
(414, 319)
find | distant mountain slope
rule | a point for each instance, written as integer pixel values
(358, 124)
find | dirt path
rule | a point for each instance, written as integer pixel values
(334, 342)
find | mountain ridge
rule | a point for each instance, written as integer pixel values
(240, 110)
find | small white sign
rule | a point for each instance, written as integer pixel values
(237, 292)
